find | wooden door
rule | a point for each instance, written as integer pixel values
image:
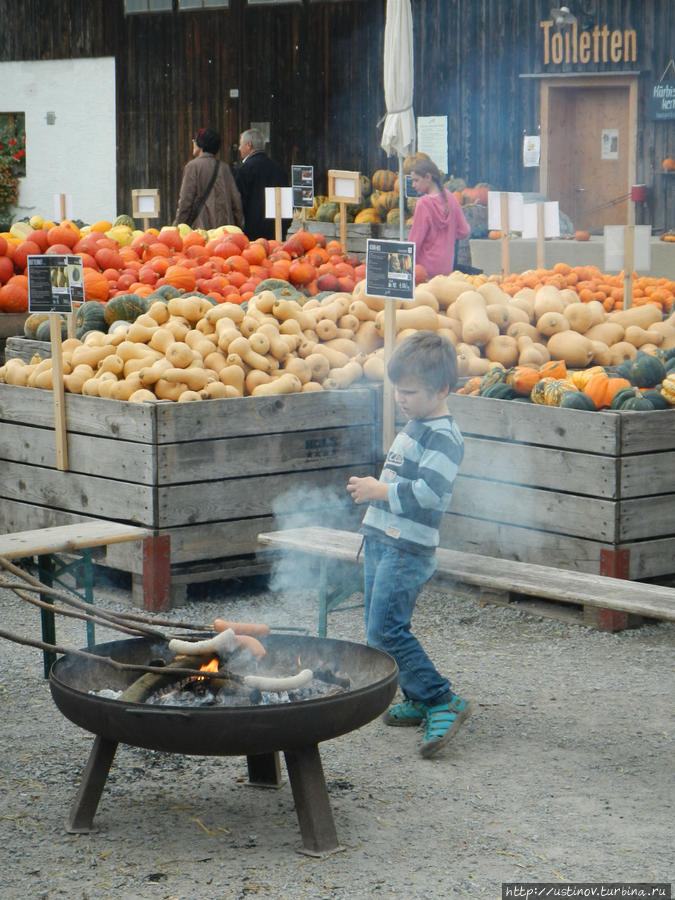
(590, 152)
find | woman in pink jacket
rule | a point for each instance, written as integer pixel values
(438, 221)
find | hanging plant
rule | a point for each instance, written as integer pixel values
(12, 160)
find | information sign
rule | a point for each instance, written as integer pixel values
(54, 283)
(302, 182)
(390, 269)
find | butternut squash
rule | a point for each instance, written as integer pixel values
(215, 361)
(151, 374)
(373, 368)
(318, 365)
(241, 347)
(620, 352)
(249, 326)
(343, 345)
(135, 365)
(575, 349)
(195, 379)
(343, 377)
(233, 376)
(284, 384)
(289, 309)
(299, 367)
(644, 316)
(162, 339)
(335, 358)
(607, 332)
(112, 363)
(228, 310)
(447, 288)
(140, 333)
(638, 336)
(169, 390)
(142, 395)
(90, 387)
(367, 337)
(349, 322)
(74, 381)
(311, 386)
(493, 294)
(476, 327)
(503, 349)
(548, 299)
(91, 355)
(259, 343)
(421, 318)
(159, 311)
(122, 390)
(216, 390)
(179, 354)
(552, 323)
(523, 328)
(362, 311)
(579, 316)
(290, 326)
(177, 328)
(264, 301)
(254, 378)
(601, 353)
(477, 365)
(422, 297)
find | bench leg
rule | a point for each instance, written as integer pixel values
(45, 575)
(613, 564)
(157, 573)
(88, 577)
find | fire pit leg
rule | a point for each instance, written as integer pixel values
(312, 806)
(85, 804)
(264, 770)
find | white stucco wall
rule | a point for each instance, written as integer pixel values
(76, 155)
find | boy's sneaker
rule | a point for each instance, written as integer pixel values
(406, 713)
(442, 724)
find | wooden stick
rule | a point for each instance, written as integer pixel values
(541, 235)
(628, 262)
(343, 226)
(277, 213)
(59, 400)
(506, 252)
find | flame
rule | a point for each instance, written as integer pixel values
(299, 663)
(211, 666)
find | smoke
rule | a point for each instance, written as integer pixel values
(330, 507)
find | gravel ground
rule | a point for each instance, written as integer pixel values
(563, 773)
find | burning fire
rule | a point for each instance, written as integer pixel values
(211, 666)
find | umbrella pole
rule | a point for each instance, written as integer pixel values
(401, 199)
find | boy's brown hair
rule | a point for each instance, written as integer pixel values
(427, 357)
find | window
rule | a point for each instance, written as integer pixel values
(149, 6)
(13, 143)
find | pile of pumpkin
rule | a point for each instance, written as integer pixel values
(185, 347)
(644, 383)
(221, 263)
(380, 197)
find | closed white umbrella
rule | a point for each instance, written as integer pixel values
(398, 139)
(398, 135)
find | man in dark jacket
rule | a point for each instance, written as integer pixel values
(208, 195)
(257, 172)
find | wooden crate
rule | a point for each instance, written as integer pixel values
(11, 324)
(20, 347)
(210, 475)
(593, 492)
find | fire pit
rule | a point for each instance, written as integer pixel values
(257, 732)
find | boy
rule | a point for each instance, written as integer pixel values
(401, 531)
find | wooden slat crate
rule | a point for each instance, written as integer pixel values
(577, 490)
(211, 475)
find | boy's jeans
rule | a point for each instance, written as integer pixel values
(392, 582)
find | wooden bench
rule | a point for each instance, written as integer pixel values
(612, 600)
(48, 543)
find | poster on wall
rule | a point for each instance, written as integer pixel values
(531, 150)
(609, 144)
(432, 139)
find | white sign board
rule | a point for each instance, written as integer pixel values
(495, 211)
(551, 220)
(286, 203)
(614, 248)
(531, 150)
(432, 139)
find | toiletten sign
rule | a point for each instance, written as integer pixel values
(599, 44)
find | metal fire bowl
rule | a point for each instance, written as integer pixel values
(237, 731)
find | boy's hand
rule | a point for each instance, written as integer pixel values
(363, 490)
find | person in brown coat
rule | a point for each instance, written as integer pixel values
(208, 195)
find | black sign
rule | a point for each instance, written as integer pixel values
(54, 283)
(661, 100)
(302, 182)
(390, 269)
(409, 189)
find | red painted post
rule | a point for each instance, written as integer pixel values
(614, 564)
(157, 573)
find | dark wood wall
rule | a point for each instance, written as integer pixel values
(314, 71)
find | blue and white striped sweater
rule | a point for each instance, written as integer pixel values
(420, 468)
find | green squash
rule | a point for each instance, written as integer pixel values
(499, 391)
(90, 317)
(657, 400)
(622, 396)
(281, 289)
(327, 211)
(126, 306)
(494, 375)
(124, 219)
(165, 292)
(646, 371)
(577, 400)
(32, 323)
(638, 404)
(42, 332)
(623, 369)
(670, 365)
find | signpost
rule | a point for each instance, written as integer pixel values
(343, 188)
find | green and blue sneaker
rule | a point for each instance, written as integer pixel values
(406, 713)
(442, 724)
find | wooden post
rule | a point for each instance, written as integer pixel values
(70, 322)
(62, 207)
(506, 256)
(628, 260)
(388, 403)
(59, 401)
(541, 235)
(343, 226)
(277, 213)
(146, 223)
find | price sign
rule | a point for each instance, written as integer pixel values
(54, 283)
(302, 182)
(390, 269)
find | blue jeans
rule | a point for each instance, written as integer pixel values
(392, 582)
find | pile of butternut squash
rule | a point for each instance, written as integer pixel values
(188, 349)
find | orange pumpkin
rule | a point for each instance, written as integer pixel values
(300, 272)
(601, 389)
(582, 236)
(96, 285)
(668, 164)
(494, 235)
(63, 234)
(383, 180)
(522, 379)
(14, 295)
(180, 277)
(556, 368)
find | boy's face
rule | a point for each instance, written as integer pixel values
(417, 400)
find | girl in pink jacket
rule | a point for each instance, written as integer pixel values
(438, 221)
